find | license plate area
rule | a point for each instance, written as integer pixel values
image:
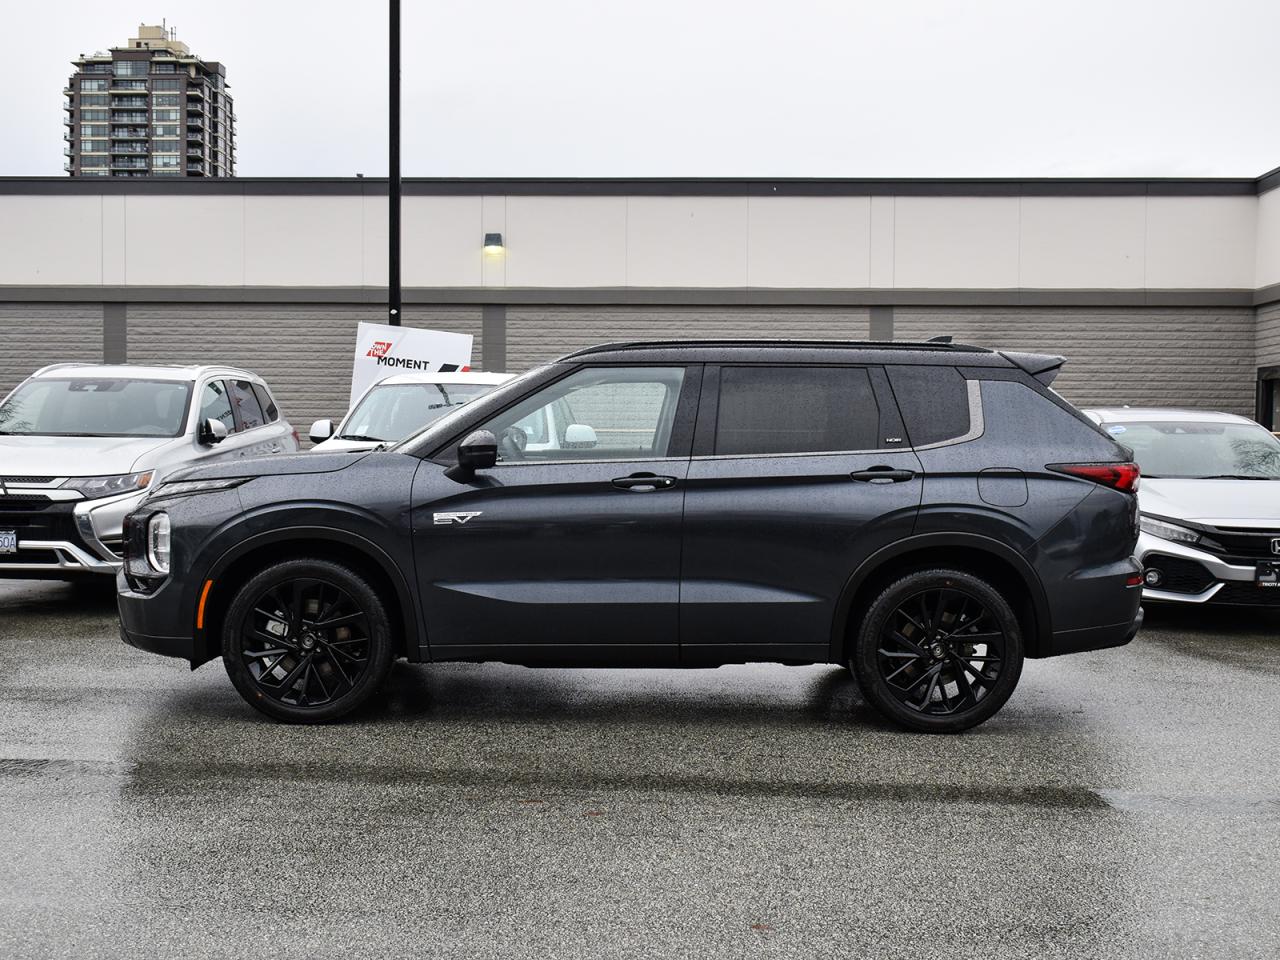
(1267, 573)
(8, 541)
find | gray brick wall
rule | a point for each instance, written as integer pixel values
(1161, 357)
(1268, 336)
(538, 334)
(35, 334)
(303, 351)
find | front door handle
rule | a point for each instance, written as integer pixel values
(644, 482)
(882, 474)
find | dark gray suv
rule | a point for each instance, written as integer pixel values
(926, 514)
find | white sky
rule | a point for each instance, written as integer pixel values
(857, 88)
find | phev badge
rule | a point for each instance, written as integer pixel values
(455, 517)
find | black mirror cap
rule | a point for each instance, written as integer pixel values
(212, 432)
(477, 451)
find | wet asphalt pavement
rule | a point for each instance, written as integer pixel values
(1124, 804)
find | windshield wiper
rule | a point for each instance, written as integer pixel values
(360, 436)
(1236, 476)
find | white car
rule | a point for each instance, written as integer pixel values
(1209, 502)
(81, 444)
(400, 406)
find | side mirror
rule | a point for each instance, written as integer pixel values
(212, 432)
(579, 436)
(321, 430)
(477, 451)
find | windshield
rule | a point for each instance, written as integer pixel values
(1199, 450)
(80, 407)
(393, 411)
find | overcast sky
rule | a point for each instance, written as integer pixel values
(850, 88)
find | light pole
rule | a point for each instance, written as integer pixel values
(393, 175)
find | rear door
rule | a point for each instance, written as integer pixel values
(799, 474)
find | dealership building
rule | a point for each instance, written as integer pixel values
(1161, 291)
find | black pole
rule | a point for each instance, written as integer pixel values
(393, 176)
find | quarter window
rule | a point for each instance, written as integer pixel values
(268, 405)
(778, 410)
(602, 413)
(214, 405)
(934, 402)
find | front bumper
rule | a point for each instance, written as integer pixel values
(1201, 576)
(61, 535)
(154, 621)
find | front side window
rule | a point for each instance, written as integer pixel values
(216, 405)
(1195, 450)
(81, 407)
(778, 410)
(393, 411)
(599, 413)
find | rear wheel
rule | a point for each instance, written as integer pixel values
(307, 641)
(939, 651)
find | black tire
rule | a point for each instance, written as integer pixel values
(307, 641)
(939, 651)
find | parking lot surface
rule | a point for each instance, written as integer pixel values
(1123, 804)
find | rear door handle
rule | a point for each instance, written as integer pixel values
(881, 474)
(644, 482)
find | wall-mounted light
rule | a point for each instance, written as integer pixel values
(493, 245)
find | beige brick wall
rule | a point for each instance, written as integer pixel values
(35, 334)
(1194, 357)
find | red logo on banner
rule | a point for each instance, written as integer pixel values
(380, 348)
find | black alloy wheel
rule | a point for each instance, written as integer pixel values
(940, 651)
(306, 641)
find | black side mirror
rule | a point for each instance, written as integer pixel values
(211, 432)
(477, 451)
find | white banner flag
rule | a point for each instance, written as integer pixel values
(383, 350)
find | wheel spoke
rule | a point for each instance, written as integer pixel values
(338, 621)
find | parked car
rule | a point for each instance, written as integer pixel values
(401, 405)
(1210, 516)
(926, 514)
(81, 444)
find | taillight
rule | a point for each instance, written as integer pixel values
(297, 440)
(1117, 476)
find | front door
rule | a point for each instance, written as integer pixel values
(799, 474)
(571, 543)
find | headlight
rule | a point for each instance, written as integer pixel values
(158, 542)
(94, 487)
(1167, 531)
(180, 488)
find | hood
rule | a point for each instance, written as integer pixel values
(1233, 503)
(74, 456)
(338, 445)
(298, 463)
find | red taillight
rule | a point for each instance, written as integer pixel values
(297, 440)
(1117, 476)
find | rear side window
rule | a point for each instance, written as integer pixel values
(934, 402)
(765, 410)
(246, 404)
(266, 403)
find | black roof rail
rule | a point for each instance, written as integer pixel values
(935, 344)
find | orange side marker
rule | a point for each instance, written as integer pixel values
(204, 595)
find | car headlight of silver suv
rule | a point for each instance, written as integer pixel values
(94, 487)
(1166, 530)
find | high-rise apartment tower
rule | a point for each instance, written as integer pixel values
(149, 109)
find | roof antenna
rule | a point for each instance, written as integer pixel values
(946, 339)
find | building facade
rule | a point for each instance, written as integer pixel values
(1157, 291)
(149, 109)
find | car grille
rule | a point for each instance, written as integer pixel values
(46, 520)
(1180, 575)
(1245, 594)
(19, 481)
(1240, 542)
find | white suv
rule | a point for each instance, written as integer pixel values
(81, 444)
(1209, 503)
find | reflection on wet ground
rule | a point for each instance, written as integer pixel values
(1125, 803)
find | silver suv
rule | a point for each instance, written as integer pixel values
(81, 444)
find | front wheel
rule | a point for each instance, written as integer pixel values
(307, 641)
(938, 651)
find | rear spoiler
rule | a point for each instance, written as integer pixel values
(1043, 366)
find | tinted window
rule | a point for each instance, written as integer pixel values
(101, 408)
(246, 403)
(934, 402)
(268, 405)
(596, 413)
(393, 411)
(795, 410)
(215, 405)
